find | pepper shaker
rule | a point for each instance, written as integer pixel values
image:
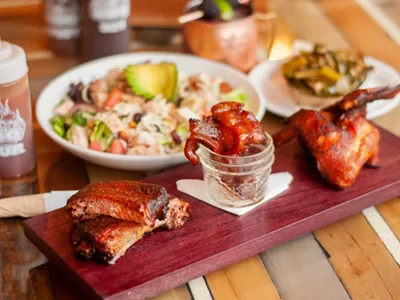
(17, 154)
(105, 28)
(64, 26)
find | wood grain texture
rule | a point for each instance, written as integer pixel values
(360, 259)
(64, 290)
(41, 284)
(37, 85)
(14, 263)
(158, 14)
(352, 20)
(57, 169)
(312, 25)
(51, 67)
(384, 232)
(179, 293)
(390, 211)
(98, 173)
(301, 271)
(244, 280)
(261, 5)
(392, 10)
(381, 18)
(20, 7)
(199, 289)
(213, 239)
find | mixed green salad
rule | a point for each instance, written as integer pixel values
(142, 109)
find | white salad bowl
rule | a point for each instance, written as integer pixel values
(190, 65)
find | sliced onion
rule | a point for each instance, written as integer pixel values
(343, 85)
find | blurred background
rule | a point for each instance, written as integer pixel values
(155, 23)
(156, 13)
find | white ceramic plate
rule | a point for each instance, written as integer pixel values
(273, 89)
(187, 64)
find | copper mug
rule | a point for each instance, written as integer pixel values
(234, 42)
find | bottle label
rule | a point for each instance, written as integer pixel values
(64, 33)
(111, 15)
(12, 131)
(63, 17)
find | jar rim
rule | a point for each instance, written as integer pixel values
(267, 149)
(245, 173)
(264, 160)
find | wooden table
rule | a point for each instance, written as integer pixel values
(356, 258)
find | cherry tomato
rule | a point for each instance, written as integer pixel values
(114, 97)
(95, 145)
(117, 147)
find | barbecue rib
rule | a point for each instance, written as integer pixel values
(230, 130)
(339, 137)
(126, 200)
(106, 239)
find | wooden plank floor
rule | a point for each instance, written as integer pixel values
(247, 280)
(301, 271)
(341, 261)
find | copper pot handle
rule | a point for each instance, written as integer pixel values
(270, 18)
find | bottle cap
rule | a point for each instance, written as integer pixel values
(12, 62)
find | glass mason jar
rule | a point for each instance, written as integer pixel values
(237, 181)
(17, 154)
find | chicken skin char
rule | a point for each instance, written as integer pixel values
(339, 137)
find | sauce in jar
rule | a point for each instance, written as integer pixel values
(17, 154)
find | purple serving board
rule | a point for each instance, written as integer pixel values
(213, 239)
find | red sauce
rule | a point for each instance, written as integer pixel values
(17, 154)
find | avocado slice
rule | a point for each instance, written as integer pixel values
(148, 80)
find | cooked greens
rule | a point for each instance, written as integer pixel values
(325, 72)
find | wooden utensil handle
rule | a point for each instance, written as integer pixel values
(189, 17)
(22, 206)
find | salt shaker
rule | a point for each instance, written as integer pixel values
(64, 26)
(105, 27)
(17, 154)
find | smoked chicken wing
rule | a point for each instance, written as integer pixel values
(339, 137)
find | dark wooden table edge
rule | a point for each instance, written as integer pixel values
(218, 261)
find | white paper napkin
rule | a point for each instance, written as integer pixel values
(278, 183)
(56, 199)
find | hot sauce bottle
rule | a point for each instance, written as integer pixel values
(105, 28)
(17, 154)
(64, 26)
